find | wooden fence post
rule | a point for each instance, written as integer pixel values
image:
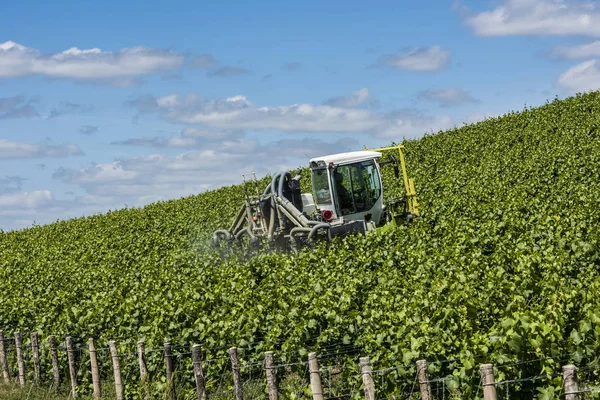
(114, 355)
(315, 377)
(144, 381)
(367, 377)
(235, 368)
(198, 373)
(72, 371)
(570, 382)
(169, 369)
(4, 359)
(20, 360)
(271, 375)
(423, 376)
(94, 367)
(35, 349)
(488, 382)
(54, 357)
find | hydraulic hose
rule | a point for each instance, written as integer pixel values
(271, 226)
(282, 182)
(315, 228)
(246, 231)
(273, 188)
(267, 190)
(273, 185)
(300, 230)
(310, 231)
(293, 243)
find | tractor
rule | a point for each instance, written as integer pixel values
(346, 198)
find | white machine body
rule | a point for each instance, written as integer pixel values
(348, 185)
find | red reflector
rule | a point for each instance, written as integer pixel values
(327, 215)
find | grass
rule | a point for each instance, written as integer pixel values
(13, 391)
(252, 390)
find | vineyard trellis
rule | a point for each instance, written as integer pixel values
(241, 374)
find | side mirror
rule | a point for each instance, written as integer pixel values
(396, 171)
(392, 161)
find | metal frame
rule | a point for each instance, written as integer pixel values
(409, 183)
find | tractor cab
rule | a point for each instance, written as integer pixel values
(347, 187)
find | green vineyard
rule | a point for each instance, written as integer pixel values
(502, 266)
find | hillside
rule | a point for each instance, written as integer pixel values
(503, 265)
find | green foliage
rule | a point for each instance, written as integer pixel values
(502, 266)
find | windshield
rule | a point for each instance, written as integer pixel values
(357, 186)
(321, 186)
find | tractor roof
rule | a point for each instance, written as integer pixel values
(343, 158)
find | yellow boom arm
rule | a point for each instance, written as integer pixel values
(409, 183)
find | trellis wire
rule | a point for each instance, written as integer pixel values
(340, 353)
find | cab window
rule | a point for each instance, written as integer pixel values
(357, 186)
(321, 187)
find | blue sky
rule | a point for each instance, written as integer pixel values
(106, 104)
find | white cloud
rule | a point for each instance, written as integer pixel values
(538, 17)
(160, 142)
(582, 77)
(410, 124)
(587, 50)
(10, 150)
(112, 172)
(188, 138)
(421, 59)
(23, 200)
(196, 133)
(91, 64)
(238, 113)
(355, 99)
(40, 207)
(447, 97)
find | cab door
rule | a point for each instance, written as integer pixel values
(322, 191)
(358, 190)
